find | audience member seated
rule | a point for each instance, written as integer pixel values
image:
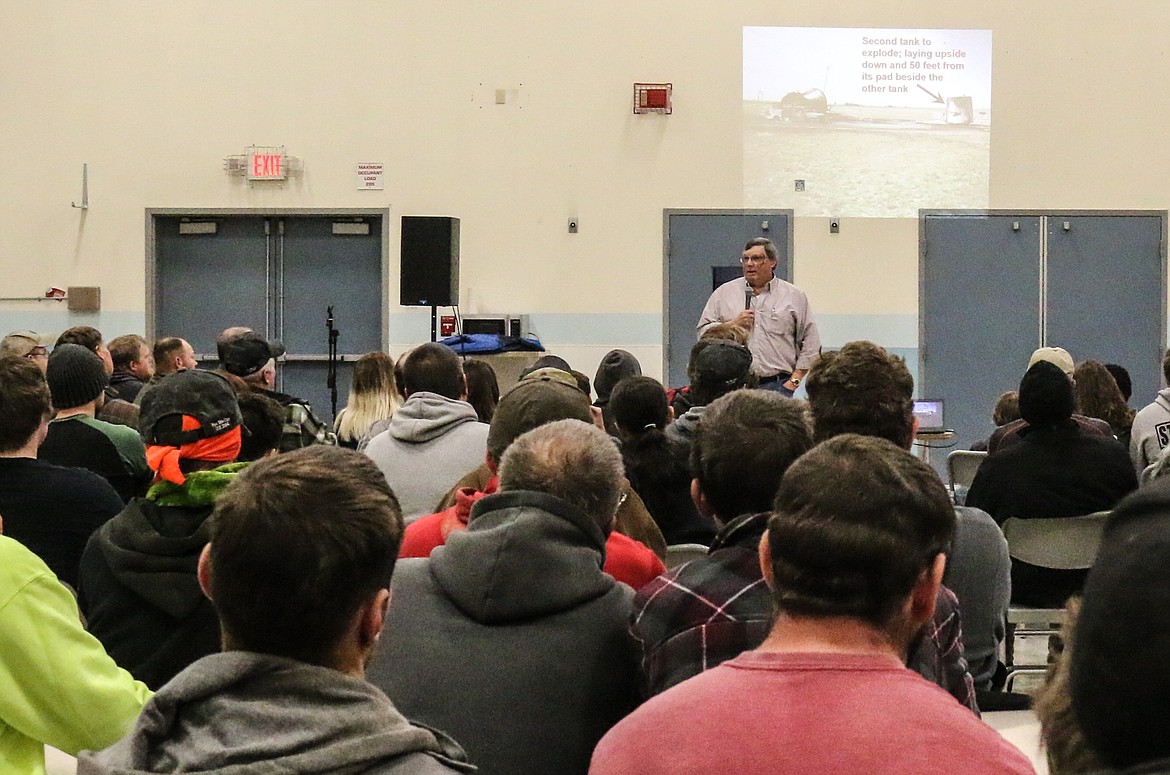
(288, 693)
(114, 410)
(680, 398)
(262, 426)
(483, 389)
(1007, 409)
(1118, 677)
(1012, 432)
(26, 344)
(50, 509)
(529, 404)
(1065, 748)
(716, 367)
(862, 388)
(1096, 394)
(252, 358)
(614, 367)
(373, 396)
(510, 637)
(138, 586)
(77, 438)
(170, 354)
(854, 555)
(1056, 469)
(1121, 377)
(58, 687)
(709, 610)
(1151, 426)
(659, 473)
(435, 437)
(133, 365)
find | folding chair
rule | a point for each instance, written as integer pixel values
(961, 467)
(1065, 543)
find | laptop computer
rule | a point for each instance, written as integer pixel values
(929, 412)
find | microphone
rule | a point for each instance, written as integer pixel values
(747, 298)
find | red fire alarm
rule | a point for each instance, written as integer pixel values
(652, 98)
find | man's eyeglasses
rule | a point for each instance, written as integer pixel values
(753, 259)
(36, 352)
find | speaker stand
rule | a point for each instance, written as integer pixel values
(434, 323)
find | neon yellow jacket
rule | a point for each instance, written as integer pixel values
(57, 684)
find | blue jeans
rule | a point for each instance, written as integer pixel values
(777, 386)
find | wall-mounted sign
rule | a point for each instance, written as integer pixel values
(369, 176)
(266, 166)
(263, 162)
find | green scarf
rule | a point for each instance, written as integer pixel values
(200, 489)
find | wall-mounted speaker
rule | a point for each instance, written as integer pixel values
(430, 261)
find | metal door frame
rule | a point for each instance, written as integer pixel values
(668, 212)
(154, 213)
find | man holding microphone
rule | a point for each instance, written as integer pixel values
(782, 334)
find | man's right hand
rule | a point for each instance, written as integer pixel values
(745, 319)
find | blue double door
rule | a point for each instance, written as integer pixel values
(278, 275)
(995, 286)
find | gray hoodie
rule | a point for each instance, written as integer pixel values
(429, 444)
(241, 712)
(511, 637)
(1151, 431)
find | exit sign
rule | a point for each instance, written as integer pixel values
(266, 166)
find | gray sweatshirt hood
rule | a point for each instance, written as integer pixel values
(524, 554)
(426, 416)
(241, 712)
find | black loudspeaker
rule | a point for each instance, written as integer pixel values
(430, 261)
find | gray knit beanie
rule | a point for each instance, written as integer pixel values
(75, 375)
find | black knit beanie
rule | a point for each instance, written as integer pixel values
(614, 367)
(75, 375)
(1046, 395)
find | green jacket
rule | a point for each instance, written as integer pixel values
(57, 684)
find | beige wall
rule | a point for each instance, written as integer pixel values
(153, 96)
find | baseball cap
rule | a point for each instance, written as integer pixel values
(202, 395)
(721, 363)
(246, 354)
(540, 398)
(1057, 356)
(22, 343)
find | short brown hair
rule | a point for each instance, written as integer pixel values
(855, 523)
(86, 336)
(299, 542)
(725, 330)
(743, 445)
(1007, 408)
(862, 388)
(24, 401)
(125, 350)
(164, 351)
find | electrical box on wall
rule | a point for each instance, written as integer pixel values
(83, 298)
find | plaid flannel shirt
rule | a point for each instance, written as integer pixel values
(709, 610)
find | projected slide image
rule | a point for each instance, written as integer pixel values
(875, 122)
